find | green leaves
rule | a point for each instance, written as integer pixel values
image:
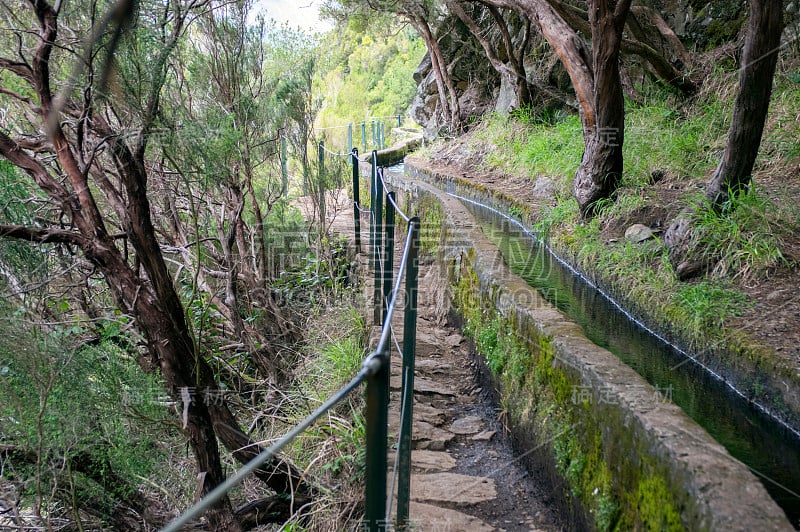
(373, 77)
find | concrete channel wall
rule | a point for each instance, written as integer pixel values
(623, 455)
(396, 153)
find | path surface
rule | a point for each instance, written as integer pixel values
(465, 474)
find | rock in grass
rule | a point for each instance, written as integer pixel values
(638, 233)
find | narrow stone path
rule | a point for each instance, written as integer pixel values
(465, 474)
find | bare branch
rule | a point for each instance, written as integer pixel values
(14, 153)
(48, 235)
(20, 69)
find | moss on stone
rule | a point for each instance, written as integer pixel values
(649, 508)
(539, 397)
(533, 385)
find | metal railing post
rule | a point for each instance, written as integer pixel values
(377, 216)
(356, 199)
(350, 137)
(364, 135)
(388, 259)
(399, 120)
(407, 389)
(377, 443)
(372, 125)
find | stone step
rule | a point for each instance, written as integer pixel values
(426, 436)
(429, 518)
(424, 461)
(422, 412)
(467, 425)
(423, 385)
(452, 489)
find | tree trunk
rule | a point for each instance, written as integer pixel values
(443, 80)
(598, 88)
(733, 175)
(760, 56)
(144, 289)
(572, 52)
(657, 44)
(511, 73)
(517, 60)
(600, 171)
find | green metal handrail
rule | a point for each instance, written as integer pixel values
(370, 366)
(375, 369)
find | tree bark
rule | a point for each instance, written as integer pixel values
(443, 80)
(665, 52)
(600, 171)
(760, 56)
(672, 74)
(734, 172)
(596, 79)
(144, 288)
(512, 72)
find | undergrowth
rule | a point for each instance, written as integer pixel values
(743, 238)
(333, 448)
(75, 414)
(741, 242)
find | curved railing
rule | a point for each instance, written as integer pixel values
(375, 369)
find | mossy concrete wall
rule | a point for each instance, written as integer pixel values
(626, 457)
(396, 153)
(752, 370)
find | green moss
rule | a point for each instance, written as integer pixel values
(649, 507)
(535, 386)
(539, 397)
(526, 370)
(722, 31)
(430, 213)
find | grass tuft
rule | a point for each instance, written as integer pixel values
(742, 239)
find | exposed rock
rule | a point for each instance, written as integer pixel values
(506, 97)
(423, 385)
(486, 435)
(425, 517)
(423, 69)
(429, 414)
(431, 366)
(432, 460)
(466, 425)
(429, 437)
(452, 488)
(638, 233)
(454, 340)
(475, 101)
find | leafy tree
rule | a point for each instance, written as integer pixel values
(371, 75)
(224, 126)
(89, 151)
(417, 13)
(587, 41)
(291, 63)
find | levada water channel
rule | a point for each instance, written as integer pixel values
(769, 449)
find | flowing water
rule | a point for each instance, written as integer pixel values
(768, 448)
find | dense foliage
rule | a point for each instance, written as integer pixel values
(156, 276)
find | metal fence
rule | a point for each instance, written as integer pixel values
(375, 369)
(373, 131)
